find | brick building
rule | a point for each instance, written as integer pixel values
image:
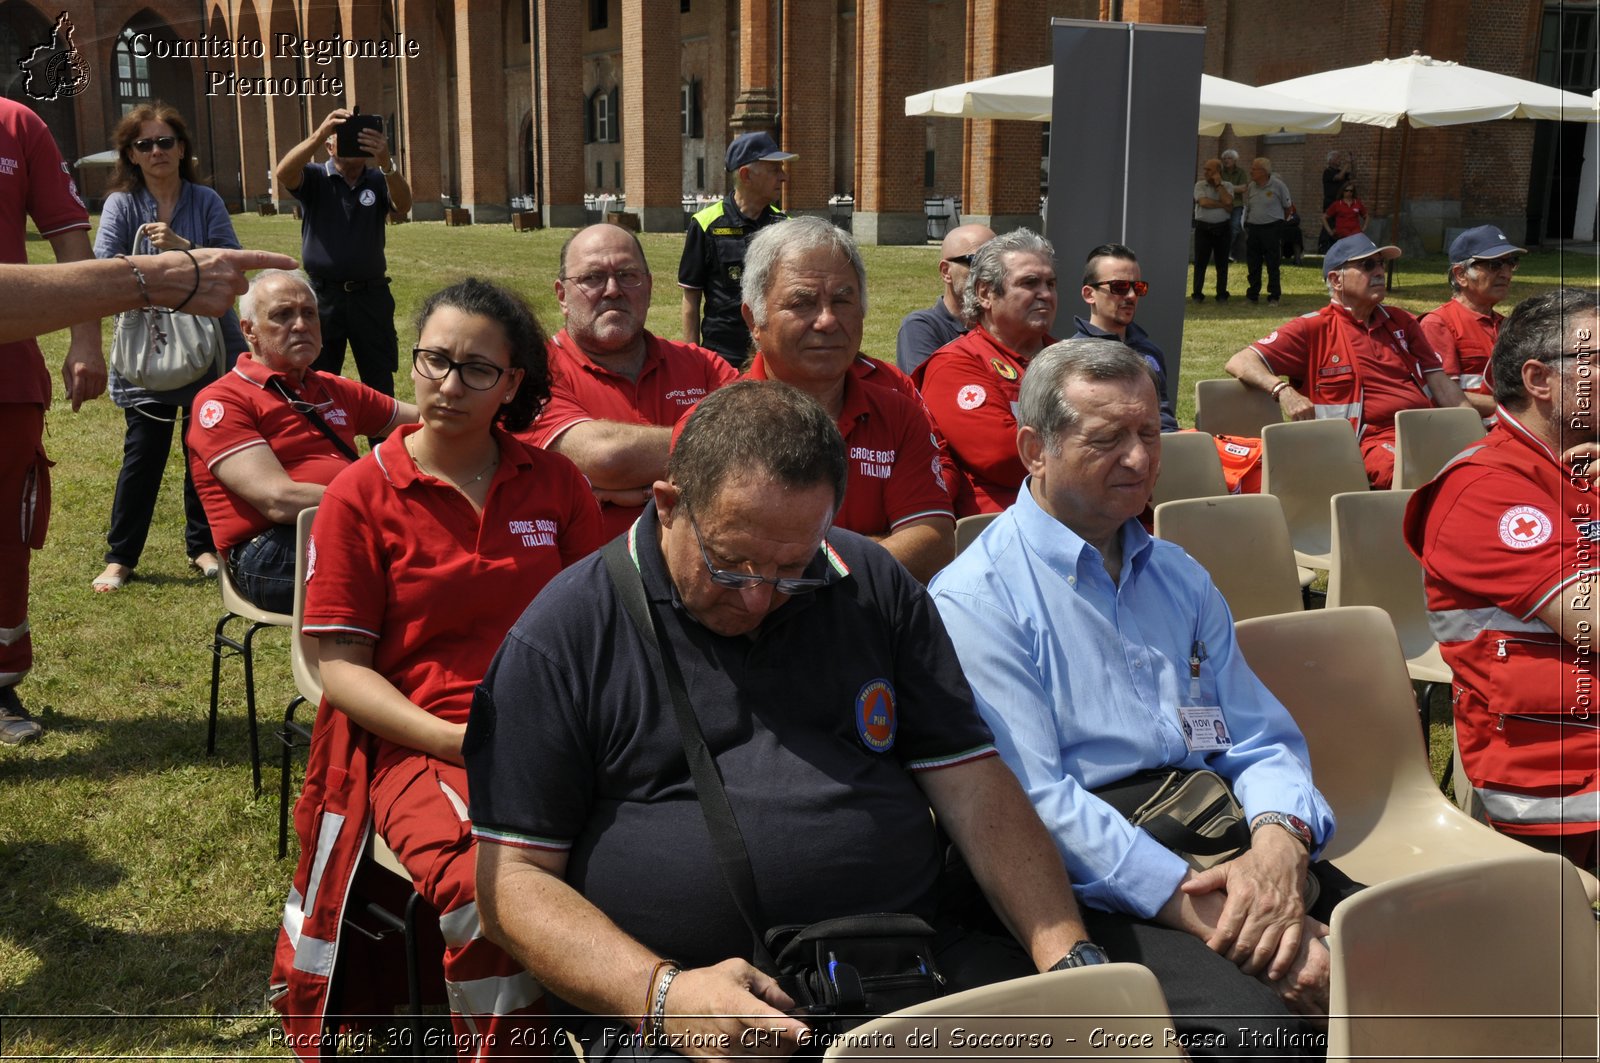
(559, 99)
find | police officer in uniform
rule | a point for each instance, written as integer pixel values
(713, 250)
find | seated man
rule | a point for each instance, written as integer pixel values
(1355, 358)
(617, 389)
(1098, 654)
(1506, 535)
(805, 300)
(595, 860)
(269, 436)
(1463, 330)
(924, 331)
(1113, 286)
(970, 384)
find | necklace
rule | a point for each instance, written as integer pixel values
(487, 469)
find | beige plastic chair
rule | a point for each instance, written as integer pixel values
(1487, 961)
(1122, 1001)
(1226, 407)
(1424, 440)
(1340, 674)
(969, 528)
(1305, 463)
(236, 606)
(307, 675)
(1190, 468)
(1243, 542)
(1371, 565)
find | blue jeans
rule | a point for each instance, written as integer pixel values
(263, 568)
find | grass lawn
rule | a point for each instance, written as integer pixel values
(140, 895)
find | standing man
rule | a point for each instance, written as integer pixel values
(616, 389)
(713, 249)
(344, 204)
(1355, 358)
(34, 182)
(970, 384)
(1506, 536)
(1235, 178)
(1213, 230)
(924, 331)
(1113, 286)
(1464, 329)
(1266, 207)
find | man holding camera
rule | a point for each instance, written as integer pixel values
(344, 203)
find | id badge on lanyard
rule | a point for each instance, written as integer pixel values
(1204, 729)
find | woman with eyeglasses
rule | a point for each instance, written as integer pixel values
(1345, 216)
(422, 555)
(156, 206)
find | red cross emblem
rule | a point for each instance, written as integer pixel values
(1524, 527)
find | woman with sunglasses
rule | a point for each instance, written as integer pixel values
(156, 206)
(1345, 216)
(422, 555)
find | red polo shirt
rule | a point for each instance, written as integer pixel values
(970, 386)
(400, 557)
(895, 475)
(673, 378)
(242, 410)
(1464, 340)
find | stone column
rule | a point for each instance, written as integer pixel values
(1000, 188)
(652, 140)
(756, 105)
(480, 111)
(420, 85)
(891, 51)
(558, 82)
(808, 87)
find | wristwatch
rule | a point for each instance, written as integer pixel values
(1293, 824)
(1083, 954)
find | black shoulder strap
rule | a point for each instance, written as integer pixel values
(316, 419)
(732, 854)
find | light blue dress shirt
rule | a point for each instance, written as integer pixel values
(1081, 678)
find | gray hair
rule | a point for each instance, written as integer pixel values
(1263, 162)
(1537, 330)
(778, 243)
(247, 301)
(1042, 403)
(988, 266)
(1231, 153)
(757, 425)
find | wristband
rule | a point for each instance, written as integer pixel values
(138, 275)
(1277, 389)
(185, 251)
(658, 1016)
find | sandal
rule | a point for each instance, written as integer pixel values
(112, 578)
(206, 564)
(16, 725)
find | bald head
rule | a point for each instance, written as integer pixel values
(604, 293)
(959, 243)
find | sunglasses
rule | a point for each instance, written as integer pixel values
(960, 260)
(1508, 262)
(1121, 288)
(145, 144)
(1375, 264)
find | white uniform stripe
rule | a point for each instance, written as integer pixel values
(1521, 808)
(1464, 625)
(504, 995)
(461, 926)
(9, 636)
(327, 836)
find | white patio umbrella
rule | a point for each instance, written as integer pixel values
(1026, 96)
(99, 158)
(1431, 92)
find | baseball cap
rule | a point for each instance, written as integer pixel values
(1486, 241)
(755, 147)
(1345, 251)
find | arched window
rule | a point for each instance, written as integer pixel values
(132, 72)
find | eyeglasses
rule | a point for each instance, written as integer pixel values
(1509, 262)
(479, 376)
(144, 144)
(743, 581)
(1375, 264)
(960, 260)
(1121, 288)
(596, 282)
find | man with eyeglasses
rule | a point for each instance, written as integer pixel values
(1113, 286)
(1463, 330)
(832, 704)
(267, 438)
(924, 331)
(1355, 358)
(714, 246)
(617, 389)
(1509, 539)
(344, 204)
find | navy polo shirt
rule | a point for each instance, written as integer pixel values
(1138, 339)
(818, 724)
(341, 227)
(713, 261)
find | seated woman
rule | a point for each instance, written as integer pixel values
(422, 555)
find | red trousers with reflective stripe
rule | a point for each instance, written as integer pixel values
(419, 808)
(24, 512)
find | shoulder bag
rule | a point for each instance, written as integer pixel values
(840, 972)
(164, 350)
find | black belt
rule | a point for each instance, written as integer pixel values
(347, 286)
